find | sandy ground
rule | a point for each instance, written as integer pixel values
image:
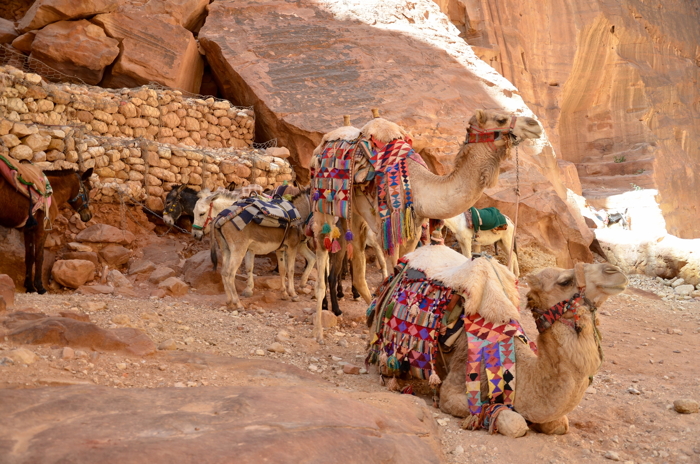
(651, 348)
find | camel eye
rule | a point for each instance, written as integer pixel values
(566, 283)
(501, 121)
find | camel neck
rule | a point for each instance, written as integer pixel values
(443, 197)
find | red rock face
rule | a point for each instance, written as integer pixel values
(76, 48)
(610, 80)
(43, 12)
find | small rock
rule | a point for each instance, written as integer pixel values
(276, 347)
(328, 319)
(612, 455)
(92, 306)
(23, 356)
(313, 367)
(342, 342)
(168, 345)
(633, 391)
(121, 319)
(67, 353)
(336, 358)
(80, 354)
(458, 450)
(75, 246)
(443, 422)
(671, 331)
(677, 283)
(591, 391)
(685, 406)
(282, 336)
(179, 385)
(350, 369)
(121, 366)
(189, 340)
(259, 352)
(685, 290)
(162, 367)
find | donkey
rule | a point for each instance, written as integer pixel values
(69, 186)
(465, 237)
(179, 202)
(253, 239)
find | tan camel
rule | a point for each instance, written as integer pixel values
(491, 134)
(552, 383)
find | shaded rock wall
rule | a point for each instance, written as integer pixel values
(611, 80)
(304, 65)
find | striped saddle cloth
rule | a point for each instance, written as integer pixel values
(262, 210)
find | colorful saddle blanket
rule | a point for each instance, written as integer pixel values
(264, 211)
(29, 180)
(407, 322)
(485, 219)
(332, 183)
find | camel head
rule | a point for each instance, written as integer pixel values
(553, 285)
(501, 123)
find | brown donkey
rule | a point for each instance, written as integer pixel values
(69, 186)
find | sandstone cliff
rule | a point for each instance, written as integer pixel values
(616, 85)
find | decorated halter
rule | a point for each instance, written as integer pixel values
(478, 135)
(546, 319)
(82, 195)
(170, 209)
(207, 220)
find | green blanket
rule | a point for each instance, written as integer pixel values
(487, 218)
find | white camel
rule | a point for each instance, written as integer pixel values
(491, 134)
(468, 239)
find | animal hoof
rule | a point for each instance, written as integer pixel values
(247, 293)
(295, 298)
(41, 291)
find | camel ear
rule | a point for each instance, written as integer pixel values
(480, 117)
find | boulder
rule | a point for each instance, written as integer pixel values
(115, 255)
(40, 329)
(174, 286)
(152, 51)
(43, 12)
(160, 274)
(23, 356)
(76, 48)
(103, 233)
(86, 255)
(141, 266)
(200, 274)
(12, 252)
(189, 14)
(282, 423)
(7, 290)
(73, 273)
(23, 42)
(117, 279)
(8, 33)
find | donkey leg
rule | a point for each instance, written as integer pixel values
(29, 248)
(250, 283)
(310, 261)
(225, 259)
(39, 241)
(282, 265)
(335, 281)
(291, 257)
(229, 273)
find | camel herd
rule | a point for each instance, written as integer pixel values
(550, 383)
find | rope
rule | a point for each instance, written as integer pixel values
(145, 208)
(517, 206)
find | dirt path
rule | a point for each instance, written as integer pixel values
(651, 348)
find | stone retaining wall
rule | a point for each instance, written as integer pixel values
(42, 131)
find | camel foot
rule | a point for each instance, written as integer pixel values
(511, 424)
(231, 306)
(295, 298)
(247, 293)
(284, 297)
(555, 427)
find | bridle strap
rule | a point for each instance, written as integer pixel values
(478, 135)
(81, 195)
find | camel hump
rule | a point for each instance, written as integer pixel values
(488, 287)
(348, 133)
(383, 130)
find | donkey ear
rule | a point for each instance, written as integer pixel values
(87, 174)
(480, 117)
(181, 188)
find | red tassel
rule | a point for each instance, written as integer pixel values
(327, 243)
(335, 246)
(349, 250)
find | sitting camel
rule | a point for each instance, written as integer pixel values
(490, 136)
(467, 237)
(251, 240)
(539, 388)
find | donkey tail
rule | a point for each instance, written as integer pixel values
(214, 248)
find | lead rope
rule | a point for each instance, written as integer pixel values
(517, 206)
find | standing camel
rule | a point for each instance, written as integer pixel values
(490, 135)
(69, 186)
(467, 237)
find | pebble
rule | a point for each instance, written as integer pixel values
(313, 367)
(342, 342)
(671, 331)
(686, 406)
(276, 348)
(458, 450)
(168, 345)
(612, 455)
(259, 352)
(591, 391)
(93, 306)
(23, 356)
(121, 366)
(633, 391)
(350, 369)
(282, 336)
(443, 422)
(336, 358)
(67, 353)
(179, 385)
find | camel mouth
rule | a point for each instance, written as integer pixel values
(531, 135)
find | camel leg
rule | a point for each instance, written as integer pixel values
(379, 253)
(310, 261)
(321, 265)
(555, 427)
(250, 282)
(359, 264)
